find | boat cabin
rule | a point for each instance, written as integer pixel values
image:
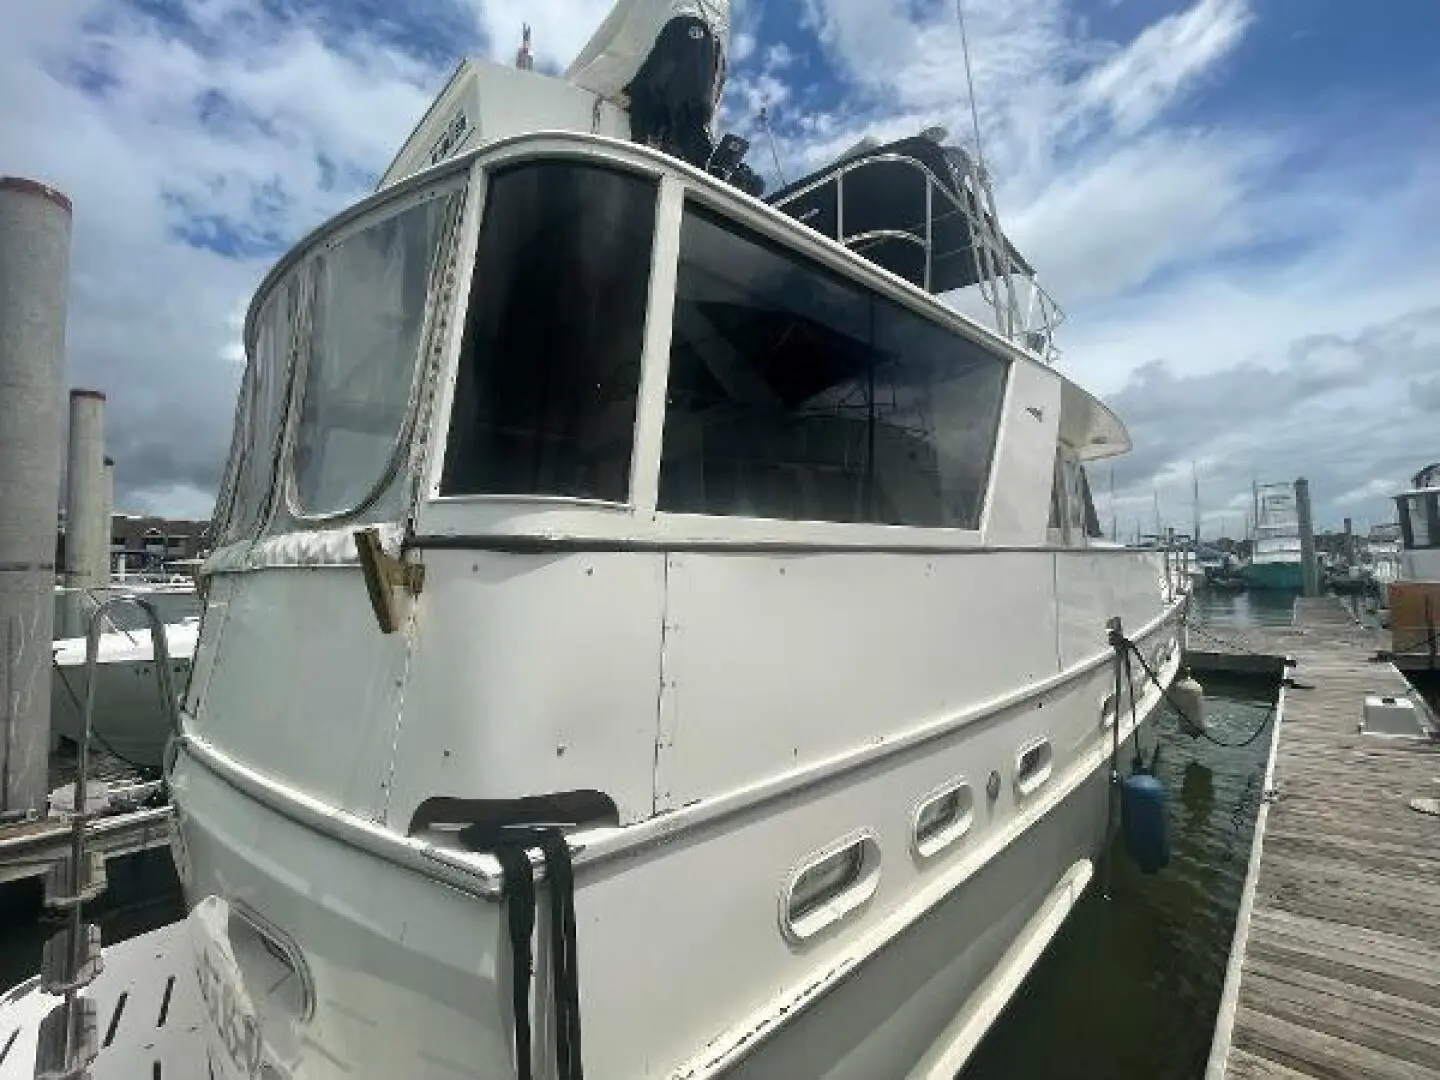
(571, 325)
(1419, 513)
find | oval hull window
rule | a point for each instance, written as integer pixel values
(941, 818)
(1032, 767)
(829, 886)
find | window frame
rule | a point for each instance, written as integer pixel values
(655, 335)
(481, 509)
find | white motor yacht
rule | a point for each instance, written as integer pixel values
(643, 608)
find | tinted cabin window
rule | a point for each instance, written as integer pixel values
(797, 394)
(550, 367)
(1418, 521)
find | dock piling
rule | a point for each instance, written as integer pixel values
(34, 286)
(1309, 568)
(87, 523)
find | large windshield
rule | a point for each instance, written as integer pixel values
(549, 371)
(796, 393)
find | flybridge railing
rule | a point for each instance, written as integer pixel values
(1022, 310)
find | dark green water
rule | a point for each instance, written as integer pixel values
(1236, 611)
(142, 894)
(1130, 987)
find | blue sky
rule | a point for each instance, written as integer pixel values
(1233, 199)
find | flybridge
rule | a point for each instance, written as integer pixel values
(654, 73)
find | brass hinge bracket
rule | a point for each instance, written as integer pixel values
(386, 579)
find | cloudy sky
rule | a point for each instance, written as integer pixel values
(1235, 200)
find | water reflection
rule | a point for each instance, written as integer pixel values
(1130, 986)
(1255, 607)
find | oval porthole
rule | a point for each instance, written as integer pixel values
(1032, 767)
(941, 817)
(830, 885)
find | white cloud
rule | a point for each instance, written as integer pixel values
(1225, 250)
(1141, 79)
(561, 27)
(1230, 250)
(229, 125)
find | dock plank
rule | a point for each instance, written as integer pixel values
(1339, 973)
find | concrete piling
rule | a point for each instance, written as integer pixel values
(34, 291)
(87, 525)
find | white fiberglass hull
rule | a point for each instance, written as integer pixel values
(129, 719)
(684, 970)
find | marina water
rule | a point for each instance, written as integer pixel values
(1130, 987)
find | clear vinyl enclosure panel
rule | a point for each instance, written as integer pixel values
(371, 293)
(334, 366)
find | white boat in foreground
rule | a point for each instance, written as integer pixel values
(130, 720)
(590, 521)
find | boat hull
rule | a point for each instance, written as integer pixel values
(1274, 575)
(129, 719)
(684, 968)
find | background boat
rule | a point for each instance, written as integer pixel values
(1275, 553)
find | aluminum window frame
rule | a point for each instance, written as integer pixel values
(460, 518)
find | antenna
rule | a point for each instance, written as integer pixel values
(990, 233)
(1195, 502)
(1114, 518)
(524, 60)
(764, 119)
(969, 80)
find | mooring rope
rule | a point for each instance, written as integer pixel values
(1165, 693)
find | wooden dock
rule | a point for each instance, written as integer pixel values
(1335, 967)
(29, 848)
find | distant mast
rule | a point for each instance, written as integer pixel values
(1195, 503)
(524, 59)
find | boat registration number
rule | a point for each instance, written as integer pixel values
(232, 1022)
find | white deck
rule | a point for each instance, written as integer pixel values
(148, 1014)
